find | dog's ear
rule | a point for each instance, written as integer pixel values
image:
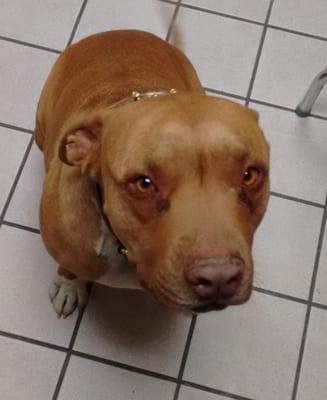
(80, 145)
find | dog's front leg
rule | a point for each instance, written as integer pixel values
(67, 292)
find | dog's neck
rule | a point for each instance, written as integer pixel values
(99, 197)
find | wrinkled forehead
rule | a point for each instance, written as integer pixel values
(181, 140)
(159, 131)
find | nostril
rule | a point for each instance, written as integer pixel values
(231, 285)
(203, 282)
(235, 279)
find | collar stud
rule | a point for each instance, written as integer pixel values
(121, 250)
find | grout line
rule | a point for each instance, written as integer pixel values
(221, 92)
(19, 226)
(13, 187)
(280, 295)
(28, 44)
(318, 116)
(308, 313)
(258, 56)
(123, 366)
(266, 103)
(170, 1)
(78, 19)
(16, 128)
(32, 341)
(279, 107)
(214, 391)
(172, 22)
(297, 199)
(68, 356)
(319, 305)
(229, 16)
(295, 32)
(185, 355)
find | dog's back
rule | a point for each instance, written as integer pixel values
(103, 69)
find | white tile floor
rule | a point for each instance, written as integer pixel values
(126, 346)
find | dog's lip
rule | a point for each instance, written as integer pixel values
(209, 307)
(220, 304)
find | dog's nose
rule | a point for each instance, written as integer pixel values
(217, 278)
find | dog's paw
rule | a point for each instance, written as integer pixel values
(67, 294)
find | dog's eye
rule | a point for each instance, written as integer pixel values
(251, 177)
(144, 184)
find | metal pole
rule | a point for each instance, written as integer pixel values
(304, 107)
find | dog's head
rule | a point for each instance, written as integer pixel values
(185, 181)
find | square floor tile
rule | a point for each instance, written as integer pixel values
(25, 275)
(46, 23)
(287, 66)
(13, 145)
(23, 72)
(147, 15)
(313, 382)
(27, 371)
(24, 206)
(130, 327)
(87, 380)
(301, 15)
(250, 350)
(222, 50)
(320, 295)
(298, 153)
(188, 393)
(285, 247)
(251, 9)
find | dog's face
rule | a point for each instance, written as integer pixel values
(185, 180)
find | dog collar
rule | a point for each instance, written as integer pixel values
(136, 96)
(120, 247)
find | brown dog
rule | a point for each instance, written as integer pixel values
(183, 176)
